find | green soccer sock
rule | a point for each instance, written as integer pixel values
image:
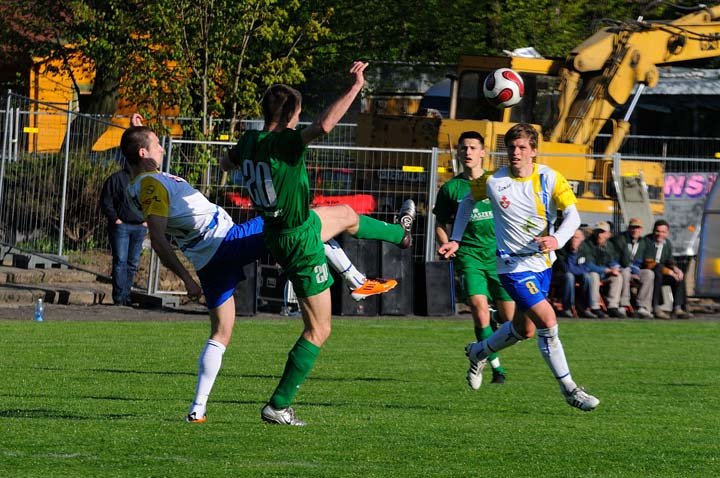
(485, 333)
(479, 334)
(373, 229)
(301, 360)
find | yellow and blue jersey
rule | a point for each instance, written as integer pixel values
(527, 207)
(197, 225)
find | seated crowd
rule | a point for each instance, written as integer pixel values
(598, 275)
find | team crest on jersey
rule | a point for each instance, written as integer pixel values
(504, 202)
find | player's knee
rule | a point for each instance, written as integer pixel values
(350, 217)
(223, 336)
(318, 334)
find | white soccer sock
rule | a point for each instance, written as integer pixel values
(503, 337)
(208, 368)
(342, 264)
(552, 351)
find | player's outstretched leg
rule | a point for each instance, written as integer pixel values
(366, 227)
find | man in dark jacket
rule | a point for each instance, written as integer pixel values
(658, 264)
(631, 245)
(570, 268)
(604, 264)
(127, 233)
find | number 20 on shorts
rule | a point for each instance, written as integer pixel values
(321, 273)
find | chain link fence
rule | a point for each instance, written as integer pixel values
(51, 176)
(373, 181)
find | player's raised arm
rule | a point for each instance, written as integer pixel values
(327, 120)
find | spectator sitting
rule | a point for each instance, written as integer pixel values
(603, 261)
(632, 247)
(658, 266)
(570, 269)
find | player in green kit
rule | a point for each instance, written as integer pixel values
(272, 163)
(475, 259)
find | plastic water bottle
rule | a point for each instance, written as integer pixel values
(39, 311)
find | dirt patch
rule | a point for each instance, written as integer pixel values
(100, 262)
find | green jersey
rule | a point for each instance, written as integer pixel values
(273, 170)
(479, 235)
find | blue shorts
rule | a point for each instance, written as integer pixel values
(527, 288)
(242, 245)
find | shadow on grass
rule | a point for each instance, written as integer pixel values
(224, 374)
(117, 371)
(315, 378)
(35, 413)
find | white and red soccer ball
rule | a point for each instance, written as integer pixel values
(503, 88)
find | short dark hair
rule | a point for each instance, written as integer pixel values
(522, 130)
(472, 135)
(279, 103)
(134, 138)
(661, 222)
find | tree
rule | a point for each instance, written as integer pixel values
(440, 30)
(224, 53)
(207, 59)
(60, 30)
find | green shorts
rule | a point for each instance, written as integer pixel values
(476, 278)
(301, 253)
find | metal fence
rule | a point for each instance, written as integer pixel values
(49, 197)
(51, 177)
(664, 146)
(374, 181)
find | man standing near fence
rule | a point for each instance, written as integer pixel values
(126, 230)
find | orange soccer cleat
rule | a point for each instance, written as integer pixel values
(192, 418)
(373, 287)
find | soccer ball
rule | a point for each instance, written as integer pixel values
(503, 88)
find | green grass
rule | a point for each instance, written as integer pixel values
(387, 398)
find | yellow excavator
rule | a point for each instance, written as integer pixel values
(601, 74)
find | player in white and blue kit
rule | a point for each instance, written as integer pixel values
(525, 197)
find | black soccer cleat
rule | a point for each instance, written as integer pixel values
(406, 220)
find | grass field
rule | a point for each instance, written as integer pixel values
(387, 399)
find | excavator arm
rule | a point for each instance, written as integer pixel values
(601, 73)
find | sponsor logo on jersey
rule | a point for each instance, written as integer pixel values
(480, 215)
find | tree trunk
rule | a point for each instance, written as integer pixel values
(103, 102)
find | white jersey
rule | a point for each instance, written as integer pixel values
(524, 208)
(197, 225)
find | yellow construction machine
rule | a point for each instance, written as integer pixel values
(601, 74)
